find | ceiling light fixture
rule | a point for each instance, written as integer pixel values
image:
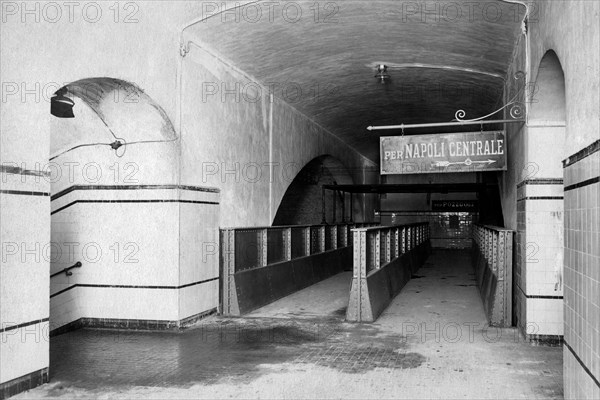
(382, 74)
(60, 105)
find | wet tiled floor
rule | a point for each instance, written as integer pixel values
(432, 342)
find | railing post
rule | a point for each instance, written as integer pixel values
(495, 252)
(378, 249)
(403, 240)
(359, 273)
(321, 237)
(334, 237)
(287, 243)
(388, 246)
(307, 240)
(485, 245)
(489, 247)
(396, 244)
(228, 259)
(263, 246)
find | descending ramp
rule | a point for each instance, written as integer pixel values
(384, 260)
(325, 300)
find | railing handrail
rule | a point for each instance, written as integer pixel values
(66, 270)
(383, 227)
(494, 227)
(274, 244)
(295, 226)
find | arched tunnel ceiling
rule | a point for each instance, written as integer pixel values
(455, 56)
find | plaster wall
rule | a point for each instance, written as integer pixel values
(250, 145)
(533, 188)
(136, 42)
(39, 53)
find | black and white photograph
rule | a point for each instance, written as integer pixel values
(300, 199)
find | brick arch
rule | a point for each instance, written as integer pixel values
(302, 201)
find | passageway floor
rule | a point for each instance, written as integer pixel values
(326, 299)
(432, 342)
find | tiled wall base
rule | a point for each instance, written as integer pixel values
(579, 383)
(133, 324)
(545, 340)
(582, 274)
(539, 260)
(533, 322)
(23, 383)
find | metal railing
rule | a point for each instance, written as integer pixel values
(383, 261)
(67, 271)
(381, 245)
(254, 247)
(493, 247)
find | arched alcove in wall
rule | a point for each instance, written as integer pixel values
(113, 208)
(108, 109)
(546, 120)
(302, 202)
(548, 97)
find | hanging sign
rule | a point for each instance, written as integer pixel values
(442, 153)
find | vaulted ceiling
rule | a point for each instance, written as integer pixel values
(441, 56)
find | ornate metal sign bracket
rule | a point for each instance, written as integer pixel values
(515, 110)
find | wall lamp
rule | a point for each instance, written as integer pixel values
(60, 105)
(382, 74)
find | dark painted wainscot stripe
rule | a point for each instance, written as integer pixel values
(23, 383)
(542, 198)
(25, 193)
(581, 184)
(133, 324)
(585, 368)
(544, 297)
(535, 296)
(133, 187)
(132, 286)
(14, 170)
(23, 325)
(541, 181)
(132, 201)
(581, 154)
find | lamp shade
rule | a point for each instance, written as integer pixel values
(61, 106)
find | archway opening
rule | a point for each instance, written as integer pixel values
(102, 196)
(302, 202)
